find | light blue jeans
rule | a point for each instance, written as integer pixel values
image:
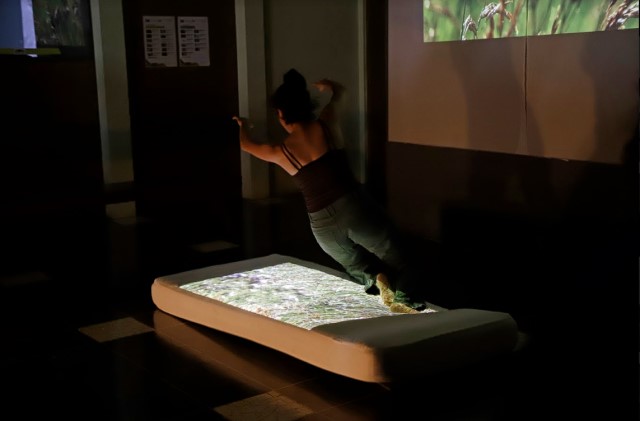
(356, 233)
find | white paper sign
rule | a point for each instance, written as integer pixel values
(194, 40)
(159, 41)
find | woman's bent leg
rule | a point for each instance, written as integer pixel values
(332, 234)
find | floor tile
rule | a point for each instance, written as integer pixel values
(271, 406)
(208, 381)
(262, 364)
(328, 390)
(29, 277)
(115, 329)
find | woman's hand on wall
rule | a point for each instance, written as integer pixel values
(243, 122)
(323, 84)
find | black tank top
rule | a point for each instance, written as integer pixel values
(326, 179)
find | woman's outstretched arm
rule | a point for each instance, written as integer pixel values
(262, 151)
(331, 113)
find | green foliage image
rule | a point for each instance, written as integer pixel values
(61, 22)
(461, 20)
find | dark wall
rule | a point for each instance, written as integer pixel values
(521, 231)
(50, 156)
(51, 180)
(184, 142)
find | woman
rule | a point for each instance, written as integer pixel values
(346, 223)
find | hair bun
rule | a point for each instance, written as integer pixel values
(293, 78)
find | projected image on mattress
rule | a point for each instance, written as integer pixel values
(460, 20)
(293, 294)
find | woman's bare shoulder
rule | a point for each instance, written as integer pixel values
(308, 144)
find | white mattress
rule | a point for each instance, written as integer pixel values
(315, 314)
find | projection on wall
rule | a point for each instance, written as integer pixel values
(45, 27)
(559, 80)
(461, 20)
(61, 23)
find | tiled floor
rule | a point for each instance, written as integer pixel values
(81, 339)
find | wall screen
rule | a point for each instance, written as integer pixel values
(544, 78)
(446, 20)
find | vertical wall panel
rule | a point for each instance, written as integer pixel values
(186, 158)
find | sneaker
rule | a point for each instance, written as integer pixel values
(404, 304)
(386, 294)
(402, 308)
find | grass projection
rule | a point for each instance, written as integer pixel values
(460, 20)
(294, 294)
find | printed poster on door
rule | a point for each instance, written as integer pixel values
(159, 41)
(193, 41)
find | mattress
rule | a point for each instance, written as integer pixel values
(314, 313)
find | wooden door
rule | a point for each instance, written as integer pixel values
(185, 152)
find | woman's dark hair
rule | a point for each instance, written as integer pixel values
(293, 98)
